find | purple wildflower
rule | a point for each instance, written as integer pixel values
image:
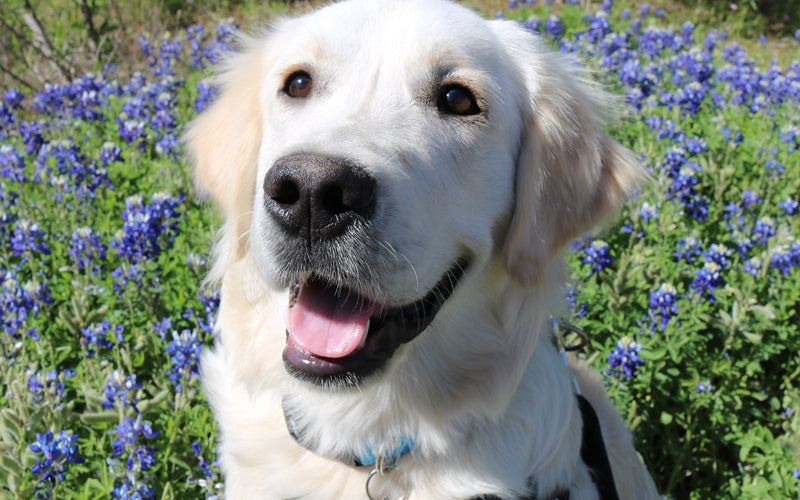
(688, 249)
(764, 229)
(184, 350)
(87, 249)
(706, 281)
(598, 256)
(102, 336)
(624, 361)
(789, 207)
(121, 391)
(58, 451)
(662, 305)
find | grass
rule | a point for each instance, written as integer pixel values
(690, 297)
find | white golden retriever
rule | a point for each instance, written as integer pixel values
(398, 178)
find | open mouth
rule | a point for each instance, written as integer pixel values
(337, 336)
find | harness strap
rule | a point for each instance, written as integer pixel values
(593, 454)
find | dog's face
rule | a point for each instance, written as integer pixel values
(373, 155)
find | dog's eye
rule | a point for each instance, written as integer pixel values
(298, 85)
(457, 100)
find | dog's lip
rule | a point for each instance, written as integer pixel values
(389, 328)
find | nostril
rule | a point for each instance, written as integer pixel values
(284, 192)
(332, 199)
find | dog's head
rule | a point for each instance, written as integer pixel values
(373, 155)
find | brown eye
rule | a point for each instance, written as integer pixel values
(298, 85)
(457, 100)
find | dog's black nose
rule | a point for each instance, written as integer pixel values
(317, 197)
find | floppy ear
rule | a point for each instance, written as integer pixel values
(224, 141)
(569, 173)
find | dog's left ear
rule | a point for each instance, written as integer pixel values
(570, 174)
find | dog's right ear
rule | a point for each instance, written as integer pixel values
(224, 142)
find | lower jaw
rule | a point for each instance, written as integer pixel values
(345, 372)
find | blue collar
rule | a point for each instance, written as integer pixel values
(387, 453)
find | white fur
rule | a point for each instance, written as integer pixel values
(482, 388)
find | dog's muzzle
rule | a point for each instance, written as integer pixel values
(338, 334)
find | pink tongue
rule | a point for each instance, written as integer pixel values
(327, 325)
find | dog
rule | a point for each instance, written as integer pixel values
(398, 180)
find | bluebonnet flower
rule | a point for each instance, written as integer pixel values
(784, 258)
(28, 239)
(19, 301)
(102, 336)
(764, 229)
(210, 481)
(146, 226)
(139, 459)
(196, 262)
(512, 4)
(706, 281)
(690, 98)
(11, 103)
(662, 305)
(553, 27)
(683, 190)
(49, 388)
(64, 158)
(210, 299)
(534, 24)
(688, 249)
(121, 391)
(644, 11)
(32, 136)
(796, 473)
(704, 387)
(717, 253)
(734, 137)
(86, 249)
(647, 212)
(168, 145)
(790, 135)
(773, 167)
(109, 153)
(578, 310)
(734, 215)
(624, 361)
(58, 452)
(127, 276)
(598, 256)
(753, 266)
(132, 131)
(205, 95)
(789, 207)
(162, 328)
(184, 350)
(696, 146)
(12, 164)
(750, 199)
